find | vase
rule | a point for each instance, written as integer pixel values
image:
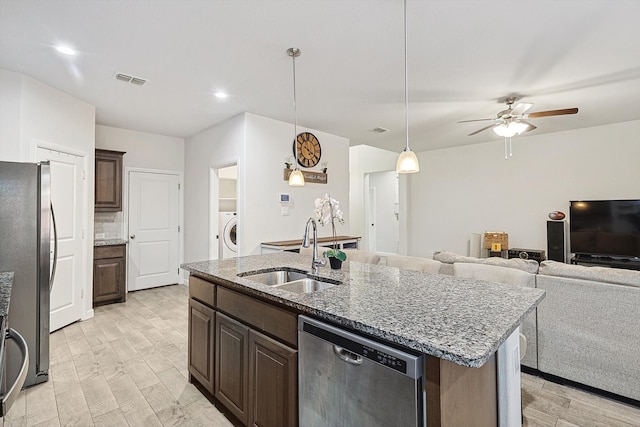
(336, 264)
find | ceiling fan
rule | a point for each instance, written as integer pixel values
(513, 120)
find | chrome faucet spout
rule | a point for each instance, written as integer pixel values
(316, 261)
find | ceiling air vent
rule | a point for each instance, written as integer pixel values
(378, 130)
(129, 79)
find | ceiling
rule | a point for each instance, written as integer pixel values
(464, 55)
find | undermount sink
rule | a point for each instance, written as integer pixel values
(274, 278)
(305, 286)
(292, 281)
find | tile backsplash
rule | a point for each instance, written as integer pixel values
(109, 223)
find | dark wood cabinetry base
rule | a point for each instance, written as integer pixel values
(243, 353)
(109, 274)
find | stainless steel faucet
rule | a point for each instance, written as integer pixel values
(315, 262)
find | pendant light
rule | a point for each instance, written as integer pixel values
(296, 179)
(407, 161)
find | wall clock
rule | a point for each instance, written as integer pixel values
(308, 149)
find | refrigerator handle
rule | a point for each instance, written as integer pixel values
(55, 249)
(11, 395)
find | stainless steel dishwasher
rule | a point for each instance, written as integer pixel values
(348, 380)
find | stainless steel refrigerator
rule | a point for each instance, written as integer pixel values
(26, 248)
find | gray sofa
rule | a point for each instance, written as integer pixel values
(587, 328)
(528, 328)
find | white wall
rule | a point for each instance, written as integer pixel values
(259, 146)
(40, 115)
(144, 150)
(216, 147)
(364, 159)
(11, 147)
(268, 143)
(471, 189)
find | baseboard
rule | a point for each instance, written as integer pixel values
(574, 384)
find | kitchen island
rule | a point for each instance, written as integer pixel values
(459, 324)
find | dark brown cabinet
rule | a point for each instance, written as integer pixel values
(108, 181)
(252, 348)
(109, 274)
(232, 365)
(201, 343)
(273, 382)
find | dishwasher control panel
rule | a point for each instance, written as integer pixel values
(384, 358)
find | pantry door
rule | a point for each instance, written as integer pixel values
(154, 244)
(67, 180)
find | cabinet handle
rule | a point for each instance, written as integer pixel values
(133, 236)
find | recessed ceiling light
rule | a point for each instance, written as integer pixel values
(220, 95)
(66, 50)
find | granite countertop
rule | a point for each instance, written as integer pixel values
(456, 319)
(6, 282)
(109, 242)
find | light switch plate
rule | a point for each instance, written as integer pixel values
(284, 211)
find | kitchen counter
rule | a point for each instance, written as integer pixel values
(6, 282)
(109, 242)
(460, 320)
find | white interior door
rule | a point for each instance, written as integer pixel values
(66, 196)
(154, 253)
(371, 225)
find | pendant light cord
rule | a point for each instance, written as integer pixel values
(406, 80)
(295, 111)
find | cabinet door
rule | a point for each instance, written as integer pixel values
(273, 383)
(108, 181)
(232, 365)
(201, 343)
(108, 280)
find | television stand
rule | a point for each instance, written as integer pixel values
(605, 261)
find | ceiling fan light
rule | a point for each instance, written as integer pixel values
(296, 179)
(407, 162)
(507, 130)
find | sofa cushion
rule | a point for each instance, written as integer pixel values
(528, 265)
(596, 274)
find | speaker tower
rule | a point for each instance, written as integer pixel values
(556, 241)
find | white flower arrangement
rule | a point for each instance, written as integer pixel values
(327, 211)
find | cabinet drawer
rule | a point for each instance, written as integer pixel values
(100, 252)
(202, 290)
(261, 316)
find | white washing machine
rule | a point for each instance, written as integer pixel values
(227, 223)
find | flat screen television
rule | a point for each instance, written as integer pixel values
(605, 228)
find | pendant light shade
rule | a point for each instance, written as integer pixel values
(296, 179)
(407, 161)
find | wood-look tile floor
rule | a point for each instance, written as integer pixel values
(127, 366)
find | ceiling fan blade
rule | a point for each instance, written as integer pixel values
(520, 108)
(530, 126)
(552, 113)
(480, 130)
(475, 120)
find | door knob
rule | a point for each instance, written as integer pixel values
(133, 236)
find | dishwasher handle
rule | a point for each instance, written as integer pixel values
(347, 356)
